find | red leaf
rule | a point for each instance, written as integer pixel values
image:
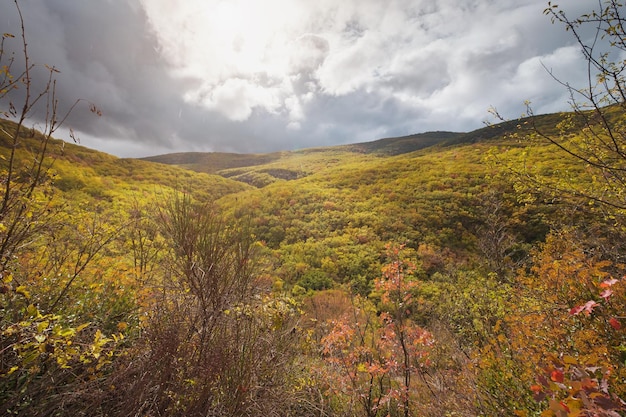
(589, 306)
(576, 310)
(557, 375)
(606, 294)
(615, 323)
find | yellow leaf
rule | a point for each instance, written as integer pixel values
(42, 326)
(23, 291)
(67, 332)
(570, 360)
(32, 311)
(82, 326)
(62, 360)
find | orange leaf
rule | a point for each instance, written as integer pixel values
(608, 283)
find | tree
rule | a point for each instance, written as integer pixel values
(562, 336)
(594, 133)
(397, 286)
(25, 199)
(591, 186)
(360, 361)
(216, 340)
(47, 356)
(377, 353)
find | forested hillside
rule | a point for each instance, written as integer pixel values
(439, 274)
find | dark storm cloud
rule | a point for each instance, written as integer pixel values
(105, 56)
(350, 71)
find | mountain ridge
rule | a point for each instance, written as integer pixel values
(388, 146)
(262, 169)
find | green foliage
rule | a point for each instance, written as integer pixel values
(189, 284)
(316, 280)
(45, 361)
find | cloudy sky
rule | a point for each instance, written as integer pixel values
(256, 76)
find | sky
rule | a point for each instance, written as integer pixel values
(257, 76)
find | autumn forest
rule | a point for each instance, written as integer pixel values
(437, 274)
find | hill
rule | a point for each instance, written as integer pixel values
(203, 272)
(81, 170)
(263, 169)
(216, 161)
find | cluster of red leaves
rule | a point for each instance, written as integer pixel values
(376, 350)
(573, 388)
(605, 295)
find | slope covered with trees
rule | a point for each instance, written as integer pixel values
(459, 274)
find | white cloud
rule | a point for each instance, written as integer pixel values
(236, 98)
